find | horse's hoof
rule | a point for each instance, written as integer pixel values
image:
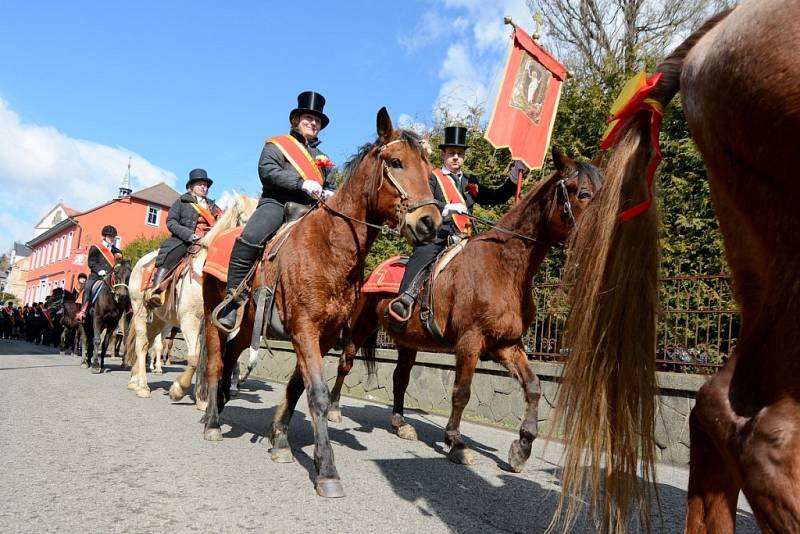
(282, 456)
(407, 432)
(132, 385)
(143, 393)
(97, 370)
(516, 457)
(84, 365)
(212, 434)
(330, 488)
(335, 415)
(176, 392)
(461, 455)
(158, 372)
(201, 405)
(234, 392)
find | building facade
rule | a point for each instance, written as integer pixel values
(59, 252)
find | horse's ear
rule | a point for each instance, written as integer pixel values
(385, 129)
(562, 161)
(597, 160)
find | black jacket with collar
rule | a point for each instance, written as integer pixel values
(98, 262)
(182, 218)
(280, 180)
(487, 196)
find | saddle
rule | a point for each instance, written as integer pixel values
(169, 284)
(387, 276)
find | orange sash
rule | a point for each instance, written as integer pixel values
(299, 158)
(106, 254)
(453, 196)
(205, 213)
(47, 316)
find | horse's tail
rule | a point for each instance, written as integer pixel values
(201, 380)
(129, 359)
(605, 409)
(368, 351)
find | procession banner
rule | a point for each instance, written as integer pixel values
(526, 104)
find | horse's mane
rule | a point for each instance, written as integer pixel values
(243, 205)
(410, 138)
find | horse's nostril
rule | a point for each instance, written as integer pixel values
(426, 224)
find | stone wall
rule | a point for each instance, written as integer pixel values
(496, 398)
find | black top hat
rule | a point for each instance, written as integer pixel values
(198, 175)
(310, 102)
(454, 136)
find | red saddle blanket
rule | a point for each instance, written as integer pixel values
(386, 277)
(219, 252)
(147, 274)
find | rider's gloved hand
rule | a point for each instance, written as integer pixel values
(312, 188)
(101, 273)
(327, 193)
(194, 238)
(457, 207)
(518, 166)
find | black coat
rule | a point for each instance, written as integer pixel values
(182, 218)
(281, 181)
(486, 196)
(98, 262)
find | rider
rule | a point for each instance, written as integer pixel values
(102, 257)
(78, 290)
(291, 169)
(456, 193)
(190, 217)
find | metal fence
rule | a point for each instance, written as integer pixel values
(697, 329)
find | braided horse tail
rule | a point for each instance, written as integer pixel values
(606, 408)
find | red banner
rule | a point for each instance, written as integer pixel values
(526, 104)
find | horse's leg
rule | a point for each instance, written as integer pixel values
(190, 326)
(713, 488)
(364, 324)
(108, 337)
(309, 361)
(279, 434)
(467, 355)
(97, 340)
(516, 361)
(158, 350)
(86, 351)
(402, 374)
(215, 345)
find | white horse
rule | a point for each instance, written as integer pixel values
(186, 312)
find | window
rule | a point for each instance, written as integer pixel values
(152, 215)
(69, 245)
(61, 247)
(49, 252)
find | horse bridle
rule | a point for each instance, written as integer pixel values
(402, 209)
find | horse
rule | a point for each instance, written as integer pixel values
(72, 335)
(104, 314)
(737, 75)
(315, 275)
(488, 319)
(161, 348)
(186, 313)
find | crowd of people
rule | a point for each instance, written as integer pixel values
(37, 323)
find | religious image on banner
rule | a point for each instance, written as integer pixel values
(530, 88)
(527, 99)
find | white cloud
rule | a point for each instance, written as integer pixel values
(457, 64)
(430, 29)
(40, 166)
(408, 122)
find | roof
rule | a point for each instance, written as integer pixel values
(21, 250)
(50, 231)
(160, 194)
(69, 211)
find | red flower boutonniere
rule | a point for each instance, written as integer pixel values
(323, 162)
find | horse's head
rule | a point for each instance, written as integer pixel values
(403, 198)
(118, 280)
(245, 206)
(574, 186)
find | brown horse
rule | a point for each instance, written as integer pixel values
(72, 335)
(738, 76)
(317, 271)
(490, 317)
(104, 315)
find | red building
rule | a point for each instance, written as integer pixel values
(59, 252)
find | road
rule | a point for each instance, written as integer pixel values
(80, 453)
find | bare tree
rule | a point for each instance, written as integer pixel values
(609, 39)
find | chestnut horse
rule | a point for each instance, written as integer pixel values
(738, 76)
(104, 315)
(318, 270)
(484, 305)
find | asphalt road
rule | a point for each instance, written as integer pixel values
(80, 453)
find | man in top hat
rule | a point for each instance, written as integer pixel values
(456, 194)
(190, 217)
(292, 168)
(102, 258)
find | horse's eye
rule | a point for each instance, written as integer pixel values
(396, 163)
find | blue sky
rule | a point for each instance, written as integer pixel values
(180, 84)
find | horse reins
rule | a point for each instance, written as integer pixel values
(403, 208)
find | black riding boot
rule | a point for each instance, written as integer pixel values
(243, 256)
(154, 299)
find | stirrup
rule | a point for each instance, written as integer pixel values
(409, 307)
(242, 297)
(154, 299)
